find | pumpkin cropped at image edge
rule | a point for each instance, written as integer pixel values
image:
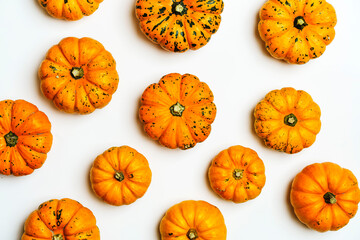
(237, 174)
(287, 120)
(120, 175)
(325, 196)
(70, 9)
(297, 30)
(178, 111)
(78, 75)
(25, 137)
(179, 25)
(193, 220)
(64, 219)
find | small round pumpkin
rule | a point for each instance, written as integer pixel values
(237, 174)
(287, 120)
(297, 30)
(25, 137)
(78, 75)
(60, 220)
(70, 9)
(325, 196)
(179, 25)
(193, 220)
(178, 111)
(120, 175)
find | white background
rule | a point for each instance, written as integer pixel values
(239, 71)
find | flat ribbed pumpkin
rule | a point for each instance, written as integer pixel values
(193, 220)
(78, 75)
(63, 219)
(179, 25)
(287, 120)
(297, 30)
(237, 174)
(70, 9)
(178, 111)
(120, 175)
(25, 137)
(325, 196)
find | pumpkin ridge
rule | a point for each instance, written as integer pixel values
(346, 212)
(282, 7)
(196, 21)
(33, 149)
(195, 9)
(49, 59)
(300, 123)
(313, 178)
(95, 84)
(45, 223)
(279, 34)
(16, 129)
(94, 57)
(190, 94)
(62, 51)
(317, 35)
(271, 104)
(129, 189)
(203, 117)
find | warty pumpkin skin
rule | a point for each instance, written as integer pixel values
(25, 137)
(179, 25)
(193, 220)
(297, 30)
(237, 174)
(70, 9)
(63, 219)
(78, 75)
(287, 120)
(325, 196)
(120, 175)
(178, 111)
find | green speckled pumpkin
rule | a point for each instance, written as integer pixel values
(179, 25)
(178, 111)
(297, 30)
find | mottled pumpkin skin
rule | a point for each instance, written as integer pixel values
(191, 220)
(60, 220)
(70, 9)
(325, 196)
(178, 111)
(297, 30)
(25, 137)
(237, 174)
(179, 25)
(120, 175)
(78, 75)
(288, 120)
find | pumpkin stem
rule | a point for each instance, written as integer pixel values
(179, 8)
(77, 72)
(57, 237)
(329, 198)
(238, 174)
(192, 234)
(177, 109)
(290, 120)
(300, 23)
(119, 176)
(11, 139)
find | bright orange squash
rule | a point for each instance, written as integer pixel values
(78, 75)
(325, 196)
(25, 137)
(178, 111)
(63, 219)
(237, 174)
(120, 175)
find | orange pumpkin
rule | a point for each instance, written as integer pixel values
(297, 30)
(179, 25)
(70, 9)
(178, 111)
(25, 137)
(60, 220)
(287, 120)
(78, 75)
(193, 220)
(120, 175)
(325, 196)
(237, 174)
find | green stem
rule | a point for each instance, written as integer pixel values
(11, 139)
(177, 109)
(290, 120)
(179, 8)
(192, 234)
(77, 72)
(329, 198)
(238, 174)
(300, 23)
(119, 176)
(57, 237)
